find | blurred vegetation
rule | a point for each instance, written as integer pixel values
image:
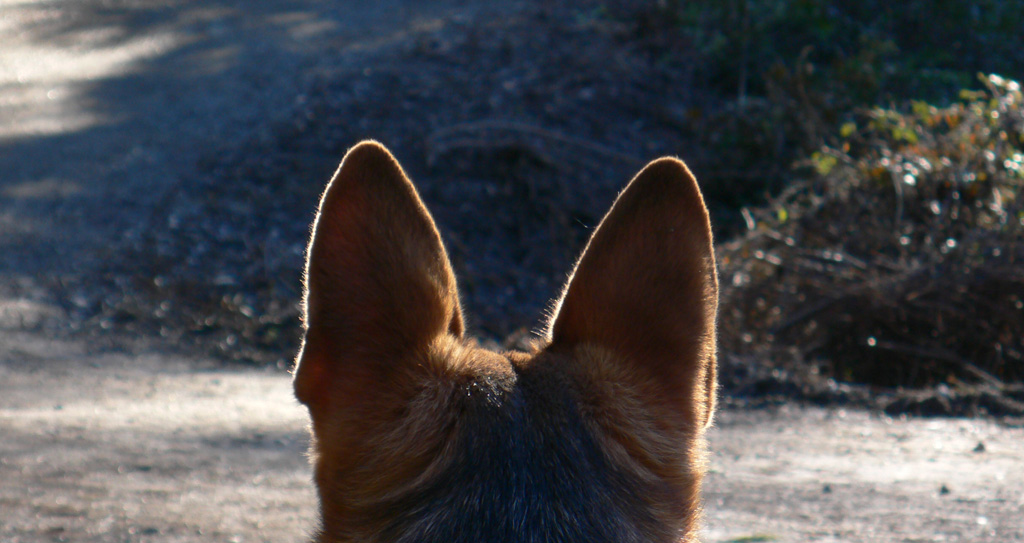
(899, 260)
(786, 74)
(876, 49)
(869, 181)
(889, 250)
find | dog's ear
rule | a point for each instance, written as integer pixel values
(379, 287)
(646, 289)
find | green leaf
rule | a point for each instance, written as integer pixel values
(823, 163)
(782, 215)
(847, 129)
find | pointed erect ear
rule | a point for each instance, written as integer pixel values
(646, 288)
(379, 286)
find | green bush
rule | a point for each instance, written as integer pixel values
(920, 47)
(900, 261)
(779, 77)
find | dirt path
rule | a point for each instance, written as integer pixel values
(102, 447)
(830, 475)
(106, 105)
(147, 448)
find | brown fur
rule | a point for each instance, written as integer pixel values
(416, 430)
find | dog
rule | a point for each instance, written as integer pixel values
(594, 435)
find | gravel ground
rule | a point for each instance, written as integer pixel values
(118, 447)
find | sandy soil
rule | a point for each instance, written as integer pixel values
(126, 447)
(147, 448)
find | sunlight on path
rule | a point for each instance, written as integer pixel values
(834, 475)
(42, 83)
(152, 448)
(110, 447)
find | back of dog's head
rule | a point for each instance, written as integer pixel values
(594, 435)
